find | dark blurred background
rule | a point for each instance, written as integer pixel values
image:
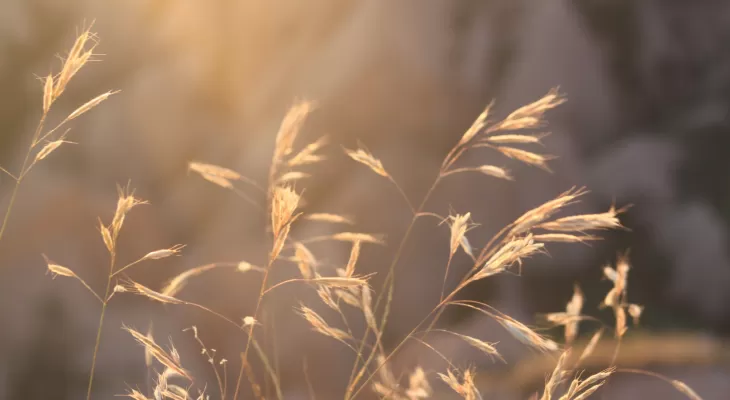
(646, 123)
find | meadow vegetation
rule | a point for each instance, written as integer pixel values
(528, 236)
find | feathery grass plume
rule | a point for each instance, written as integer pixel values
(529, 116)
(319, 325)
(305, 260)
(418, 386)
(464, 387)
(363, 157)
(686, 390)
(284, 203)
(164, 253)
(289, 129)
(308, 154)
(327, 217)
(354, 255)
(541, 213)
(90, 104)
(170, 360)
(358, 237)
(590, 347)
(557, 377)
(635, 311)
(573, 310)
(140, 289)
(510, 253)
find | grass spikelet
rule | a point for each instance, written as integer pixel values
(590, 347)
(348, 297)
(319, 325)
(514, 139)
(354, 255)
(170, 361)
(125, 203)
(164, 253)
(686, 390)
(49, 148)
(530, 116)
(368, 160)
(176, 284)
(494, 171)
(635, 311)
(367, 307)
(325, 293)
(76, 59)
(327, 217)
(510, 253)
(48, 93)
(358, 237)
(90, 104)
(292, 176)
(308, 154)
(556, 378)
(564, 238)
(464, 387)
(305, 260)
(340, 282)
(484, 347)
(526, 335)
(140, 289)
(459, 226)
(476, 126)
(620, 321)
(136, 395)
(284, 203)
(541, 213)
(527, 157)
(586, 222)
(573, 310)
(289, 129)
(213, 170)
(418, 386)
(58, 270)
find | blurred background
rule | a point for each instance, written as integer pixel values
(646, 124)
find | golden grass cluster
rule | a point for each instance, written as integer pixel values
(526, 237)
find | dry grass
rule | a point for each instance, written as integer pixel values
(526, 237)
